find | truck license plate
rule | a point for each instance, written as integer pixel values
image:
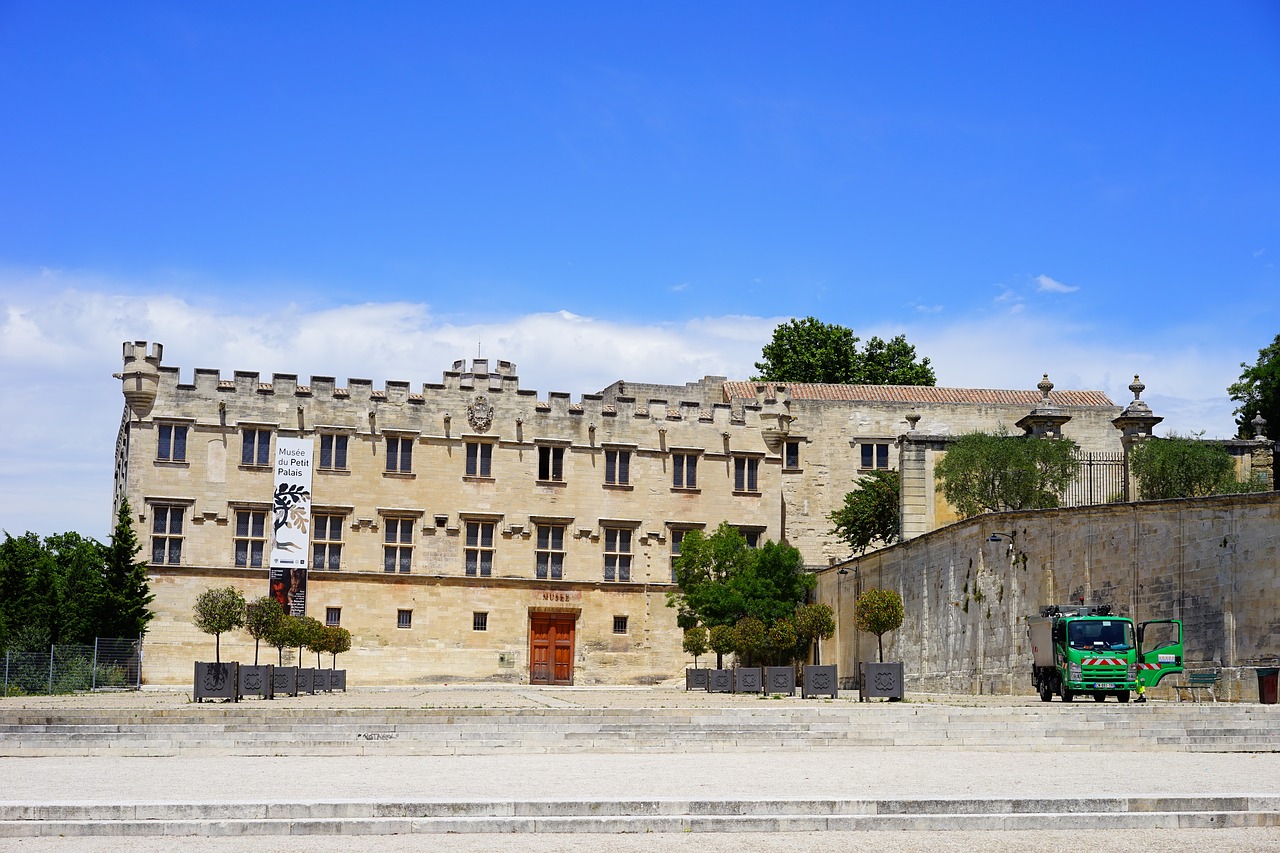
(1104, 685)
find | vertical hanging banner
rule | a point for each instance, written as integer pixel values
(291, 524)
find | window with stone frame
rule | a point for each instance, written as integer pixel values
(684, 470)
(746, 474)
(250, 538)
(617, 554)
(404, 618)
(479, 621)
(333, 451)
(326, 542)
(255, 447)
(333, 617)
(791, 456)
(550, 464)
(478, 549)
(617, 467)
(619, 624)
(875, 454)
(549, 553)
(397, 544)
(166, 534)
(399, 454)
(479, 459)
(171, 443)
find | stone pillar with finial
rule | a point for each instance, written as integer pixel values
(1046, 419)
(1135, 424)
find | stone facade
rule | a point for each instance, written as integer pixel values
(554, 497)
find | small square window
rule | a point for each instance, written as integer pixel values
(791, 455)
(404, 618)
(333, 616)
(617, 467)
(684, 471)
(255, 447)
(333, 452)
(619, 624)
(479, 459)
(875, 455)
(479, 621)
(746, 472)
(399, 455)
(551, 464)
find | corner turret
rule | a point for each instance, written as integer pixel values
(140, 378)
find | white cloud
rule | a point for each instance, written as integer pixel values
(60, 340)
(1044, 284)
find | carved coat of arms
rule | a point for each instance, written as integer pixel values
(480, 414)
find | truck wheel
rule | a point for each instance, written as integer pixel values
(1046, 694)
(1067, 695)
(1123, 696)
(1099, 697)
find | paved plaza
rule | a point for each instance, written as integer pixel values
(1016, 787)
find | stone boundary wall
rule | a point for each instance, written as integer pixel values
(1213, 562)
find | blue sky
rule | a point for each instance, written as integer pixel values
(641, 191)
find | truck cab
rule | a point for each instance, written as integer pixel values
(1085, 649)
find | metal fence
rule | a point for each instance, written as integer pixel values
(111, 663)
(1099, 479)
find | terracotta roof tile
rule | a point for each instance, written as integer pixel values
(740, 390)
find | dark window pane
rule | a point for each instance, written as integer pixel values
(340, 454)
(326, 451)
(882, 456)
(175, 519)
(335, 556)
(175, 551)
(867, 460)
(179, 444)
(157, 550)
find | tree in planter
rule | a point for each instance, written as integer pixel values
(813, 622)
(336, 641)
(721, 639)
(218, 611)
(311, 637)
(695, 643)
(879, 612)
(1184, 467)
(984, 472)
(261, 618)
(750, 639)
(286, 634)
(782, 642)
(870, 512)
(809, 350)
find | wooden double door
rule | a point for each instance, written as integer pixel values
(551, 648)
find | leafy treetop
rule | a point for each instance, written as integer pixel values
(982, 472)
(1182, 467)
(809, 350)
(870, 512)
(879, 612)
(218, 611)
(1258, 392)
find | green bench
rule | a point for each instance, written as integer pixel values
(1197, 682)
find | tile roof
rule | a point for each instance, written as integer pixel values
(746, 391)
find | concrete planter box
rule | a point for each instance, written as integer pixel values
(719, 681)
(338, 680)
(320, 681)
(256, 681)
(748, 679)
(306, 679)
(284, 681)
(881, 680)
(780, 679)
(820, 681)
(216, 681)
(695, 679)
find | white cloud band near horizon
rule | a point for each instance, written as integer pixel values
(60, 342)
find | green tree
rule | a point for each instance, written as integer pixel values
(1258, 392)
(336, 641)
(982, 472)
(1183, 467)
(870, 512)
(695, 642)
(879, 611)
(125, 605)
(286, 634)
(218, 611)
(721, 638)
(809, 350)
(750, 638)
(261, 618)
(813, 622)
(78, 584)
(311, 637)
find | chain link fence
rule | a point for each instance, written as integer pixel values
(111, 663)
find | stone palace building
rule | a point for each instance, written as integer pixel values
(473, 529)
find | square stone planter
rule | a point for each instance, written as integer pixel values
(338, 680)
(216, 681)
(306, 680)
(780, 679)
(284, 681)
(881, 680)
(820, 681)
(719, 681)
(695, 679)
(257, 681)
(748, 679)
(320, 681)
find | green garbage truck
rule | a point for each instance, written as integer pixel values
(1084, 649)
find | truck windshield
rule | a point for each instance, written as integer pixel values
(1113, 635)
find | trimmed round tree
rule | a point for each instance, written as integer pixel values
(721, 638)
(879, 612)
(261, 618)
(218, 611)
(336, 640)
(695, 643)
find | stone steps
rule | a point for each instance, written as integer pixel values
(658, 815)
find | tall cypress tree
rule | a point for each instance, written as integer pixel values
(126, 597)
